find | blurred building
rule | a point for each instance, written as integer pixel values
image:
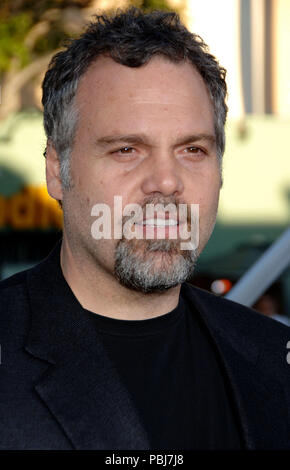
(251, 39)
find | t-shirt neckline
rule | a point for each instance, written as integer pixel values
(109, 325)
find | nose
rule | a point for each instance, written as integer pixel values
(163, 176)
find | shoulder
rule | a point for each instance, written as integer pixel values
(17, 291)
(14, 305)
(229, 316)
(12, 290)
(13, 281)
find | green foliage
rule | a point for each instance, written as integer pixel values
(17, 18)
(52, 40)
(12, 35)
(155, 5)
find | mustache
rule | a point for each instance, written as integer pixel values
(156, 201)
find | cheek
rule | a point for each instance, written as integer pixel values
(205, 190)
(209, 204)
(88, 188)
(208, 198)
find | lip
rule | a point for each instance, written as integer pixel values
(159, 231)
(159, 222)
(160, 216)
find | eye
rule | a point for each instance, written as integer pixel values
(194, 153)
(125, 150)
(124, 153)
(194, 150)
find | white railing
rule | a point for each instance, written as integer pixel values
(263, 272)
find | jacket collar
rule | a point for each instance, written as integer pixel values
(81, 387)
(83, 391)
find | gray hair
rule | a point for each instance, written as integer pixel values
(131, 38)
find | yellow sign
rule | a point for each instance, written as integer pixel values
(31, 208)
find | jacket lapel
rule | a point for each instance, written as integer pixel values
(259, 395)
(81, 387)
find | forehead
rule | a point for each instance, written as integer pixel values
(108, 88)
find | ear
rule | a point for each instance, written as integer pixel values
(53, 180)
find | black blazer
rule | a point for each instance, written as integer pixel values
(59, 390)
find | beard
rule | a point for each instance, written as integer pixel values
(150, 266)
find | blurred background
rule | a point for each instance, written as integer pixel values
(251, 39)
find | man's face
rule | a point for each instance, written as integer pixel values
(146, 134)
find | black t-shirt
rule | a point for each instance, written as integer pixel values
(175, 377)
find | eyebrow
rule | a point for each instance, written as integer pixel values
(142, 139)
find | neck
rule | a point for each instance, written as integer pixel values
(100, 292)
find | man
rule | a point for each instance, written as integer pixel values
(104, 344)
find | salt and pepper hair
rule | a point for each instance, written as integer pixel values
(130, 38)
